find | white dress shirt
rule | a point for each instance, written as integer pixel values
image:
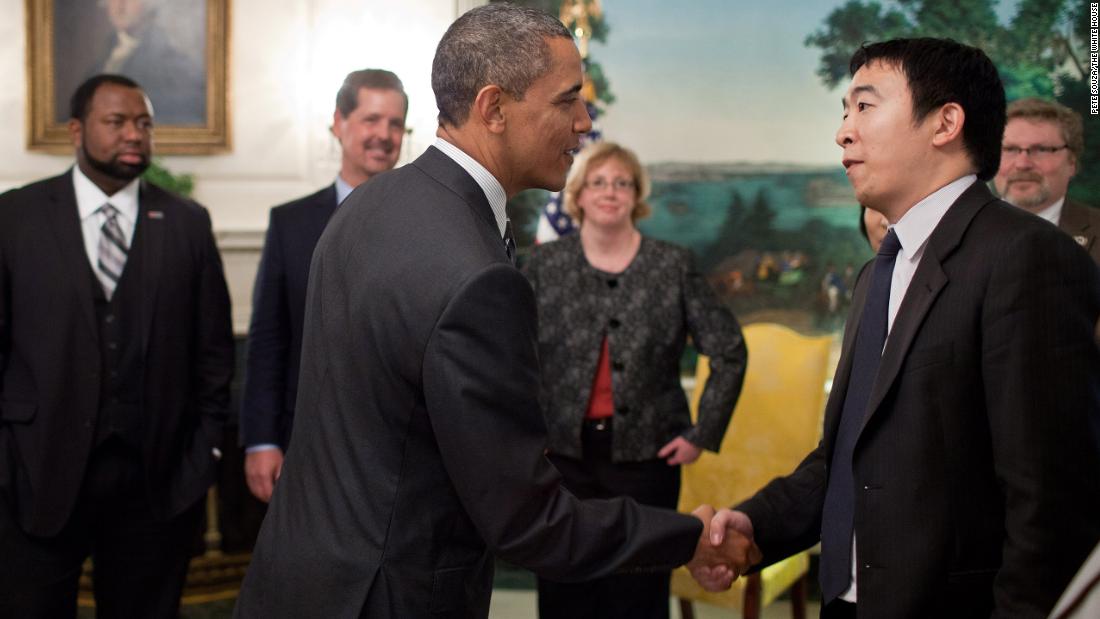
(913, 230)
(494, 191)
(1053, 213)
(89, 198)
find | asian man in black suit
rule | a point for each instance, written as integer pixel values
(418, 444)
(369, 123)
(957, 473)
(116, 352)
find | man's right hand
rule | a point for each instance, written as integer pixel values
(722, 554)
(727, 527)
(261, 471)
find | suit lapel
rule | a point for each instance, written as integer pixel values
(926, 285)
(1075, 222)
(444, 169)
(151, 221)
(65, 223)
(326, 206)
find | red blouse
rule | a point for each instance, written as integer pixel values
(600, 403)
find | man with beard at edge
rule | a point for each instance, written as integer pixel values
(116, 353)
(1043, 145)
(369, 122)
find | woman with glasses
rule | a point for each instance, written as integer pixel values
(615, 311)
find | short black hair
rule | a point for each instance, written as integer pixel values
(82, 97)
(347, 98)
(497, 43)
(941, 71)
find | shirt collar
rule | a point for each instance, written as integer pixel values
(127, 41)
(494, 191)
(89, 197)
(343, 189)
(914, 228)
(1053, 213)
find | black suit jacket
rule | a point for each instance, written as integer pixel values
(418, 445)
(50, 358)
(278, 308)
(1082, 222)
(976, 467)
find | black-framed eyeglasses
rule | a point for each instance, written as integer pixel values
(1035, 153)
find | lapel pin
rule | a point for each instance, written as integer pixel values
(156, 214)
(1080, 240)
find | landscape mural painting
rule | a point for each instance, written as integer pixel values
(733, 108)
(778, 243)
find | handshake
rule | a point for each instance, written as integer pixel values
(725, 550)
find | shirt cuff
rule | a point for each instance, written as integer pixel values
(261, 447)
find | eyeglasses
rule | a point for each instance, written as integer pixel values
(1035, 153)
(619, 184)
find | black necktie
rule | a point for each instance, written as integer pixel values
(837, 518)
(510, 242)
(112, 251)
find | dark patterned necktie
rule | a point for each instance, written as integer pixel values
(113, 250)
(838, 515)
(510, 242)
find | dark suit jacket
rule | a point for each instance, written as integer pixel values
(647, 315)
(1082, 222)
(50, 358)
(418, 444)
(278, 307)
(976, 466)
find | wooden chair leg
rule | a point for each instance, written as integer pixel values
(751, 609)
(687, 609)
(798, 598)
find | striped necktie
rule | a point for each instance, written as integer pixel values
(112, 250)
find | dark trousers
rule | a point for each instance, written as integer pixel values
(838, 609)
(139, 563)
(634, 596)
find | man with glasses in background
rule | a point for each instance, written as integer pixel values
(1042, 144)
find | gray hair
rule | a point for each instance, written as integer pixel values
(499, 44)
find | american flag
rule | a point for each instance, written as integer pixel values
(554, 222)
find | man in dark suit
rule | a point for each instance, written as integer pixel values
(1043, 142)
(369, 122)
(418, 441)
(956, 476)
(116, 354)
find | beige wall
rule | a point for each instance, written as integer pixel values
(285, 65)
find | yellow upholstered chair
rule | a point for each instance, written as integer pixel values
(777, 422)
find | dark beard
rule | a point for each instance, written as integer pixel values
(115, 169)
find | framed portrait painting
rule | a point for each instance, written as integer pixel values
(175, 49)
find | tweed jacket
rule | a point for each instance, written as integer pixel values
(646, 312)
(1082, 222)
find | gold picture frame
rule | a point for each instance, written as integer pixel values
(179, 55)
